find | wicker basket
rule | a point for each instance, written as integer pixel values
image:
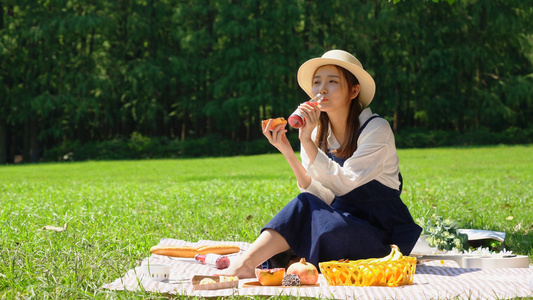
(368, 272)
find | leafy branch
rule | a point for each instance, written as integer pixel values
(443, 233)
(436, 1)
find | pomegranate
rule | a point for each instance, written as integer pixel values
(307, 272)
(270, 276)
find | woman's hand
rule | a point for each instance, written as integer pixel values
(311, 114)
(277, 136)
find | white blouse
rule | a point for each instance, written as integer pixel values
(375, 158)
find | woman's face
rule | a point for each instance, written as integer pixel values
(330, 81)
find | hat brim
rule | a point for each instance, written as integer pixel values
(307, 71)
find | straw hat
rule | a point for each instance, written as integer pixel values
(343, 59)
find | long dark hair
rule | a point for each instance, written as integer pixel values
(349, 146)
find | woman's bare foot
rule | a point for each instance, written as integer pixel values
(238, 267)
(269, 243)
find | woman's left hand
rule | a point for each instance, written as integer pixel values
(277, 137)
(311, 114)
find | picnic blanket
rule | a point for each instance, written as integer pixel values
(432, 280)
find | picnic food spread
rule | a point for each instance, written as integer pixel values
(298, 273)
(433, 279)
(190, 252)
(392, 270)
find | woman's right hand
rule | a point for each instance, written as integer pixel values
(311, 115)
(277, 136)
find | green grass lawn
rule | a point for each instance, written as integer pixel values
(117, 210)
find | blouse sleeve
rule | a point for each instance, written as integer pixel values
(375, 158)
(315, 188)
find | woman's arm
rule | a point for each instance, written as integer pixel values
(311, 114)
(309, 151)
(304, 180)
(315, 188)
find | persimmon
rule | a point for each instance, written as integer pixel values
(270, 276)
(275, 122)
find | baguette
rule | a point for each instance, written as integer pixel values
(190, 252)
(175, 251)
(218, 249)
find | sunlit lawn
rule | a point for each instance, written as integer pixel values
(115, 211)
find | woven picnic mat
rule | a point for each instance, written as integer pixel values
(432, 280)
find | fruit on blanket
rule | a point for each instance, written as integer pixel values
(190, 252)
(394, 254)
(307, 272)
(275, 122)
(270, 276)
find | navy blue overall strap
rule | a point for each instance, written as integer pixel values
(368, 121)
(340, 161)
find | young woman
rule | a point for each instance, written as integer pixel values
(350, 204)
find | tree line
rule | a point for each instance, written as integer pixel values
(76, 72)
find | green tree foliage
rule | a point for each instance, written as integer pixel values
(86, 71)
(436, 1)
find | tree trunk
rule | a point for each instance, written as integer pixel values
(35, 151)
(3, 143)
(395, 122)
(183, 133)
(26, 141)
(31, 145)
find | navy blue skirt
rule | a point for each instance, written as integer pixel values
(361, 224)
